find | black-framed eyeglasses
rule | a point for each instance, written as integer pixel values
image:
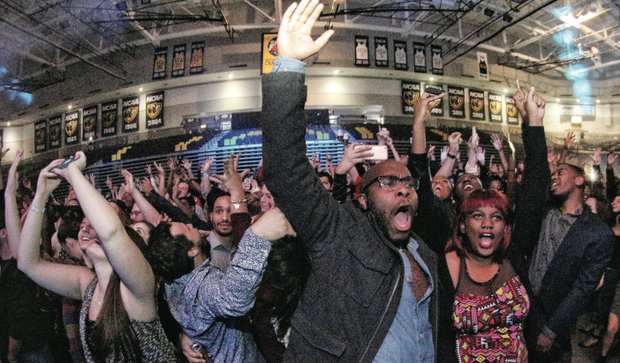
(390, 182)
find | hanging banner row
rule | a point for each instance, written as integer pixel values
(499, 108)
(196, 63)
(102, 119)
(400, 57)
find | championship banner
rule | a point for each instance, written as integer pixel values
(400, 55)
(109, 119)
(483, 66)
(511, 111)
(155, 110)
(419, 58)
(40, 136)
(438, 109)
(476, 104)
(437, 59)
(269, 52)
(89, 123)
(55, 131)
(72, 127)
(381, 52)
(361, 51)
(410, 92)
(160, 60)
(130, 111)
(495, 107)
(196, 65)
(456, 97)
(178, 60)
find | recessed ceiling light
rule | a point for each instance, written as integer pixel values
(431, 79)
(140, 89)
(598, 101)
(230, 76)
(70, 107)
(336, 72)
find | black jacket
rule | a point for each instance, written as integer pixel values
(353, 291)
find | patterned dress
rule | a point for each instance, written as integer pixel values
(490, 327)
(153, 342)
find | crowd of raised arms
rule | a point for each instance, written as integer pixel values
(409, 259)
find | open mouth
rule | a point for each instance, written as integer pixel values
(486, 240)
(402, 218)
(468, 187)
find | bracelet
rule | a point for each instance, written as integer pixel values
(452, 156)
(37, 210)
(237, 204)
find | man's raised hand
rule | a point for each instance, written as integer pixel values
(294, 40)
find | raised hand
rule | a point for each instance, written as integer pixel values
(519, 97)
(48, 179)
(129, 184)
(474, 139)
(273, 225)
(12, 177)
(431, 152)
(108, 183)
(596, 156)
(611, 158)
(480, 154)
(147, 187)
(79, 163)
(294, 40)
(552, 156)
(444, 153)
(160, 169)
(186, 164)
(497, 142)
(423, 106)
(206, 166)
(353, 154)
(569, 140)
(172, 163)
(535, 107)
(231, 179)
(148, 170)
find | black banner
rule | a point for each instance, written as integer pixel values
(437, 59)
(160, 61)
(178, 60)
(72, 127)
(400, 55)
(130, 110)
(40, 136)
(196, 65)
(109, 119)
(55, 131)
(495, 107)
(410, 92)
(155, 110)
(381, 52)
(476, 104)
(419, 58)
(438, 109)
(511, 111)
(361, 51)
(456, 96)
(89, 123)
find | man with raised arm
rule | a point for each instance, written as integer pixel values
(371, 294)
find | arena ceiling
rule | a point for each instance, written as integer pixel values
(39, 39)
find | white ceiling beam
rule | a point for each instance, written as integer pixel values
(261, 11)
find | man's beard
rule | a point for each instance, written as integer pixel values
(558, 199)
(398, 238)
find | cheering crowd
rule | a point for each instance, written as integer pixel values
(404, 260)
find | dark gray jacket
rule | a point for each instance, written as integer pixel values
(353, 292)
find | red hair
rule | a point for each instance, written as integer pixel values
(478, 199)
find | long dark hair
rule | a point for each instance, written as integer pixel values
(112, 330)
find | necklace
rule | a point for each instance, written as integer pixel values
(488, 282)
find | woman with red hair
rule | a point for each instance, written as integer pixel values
(489, 300)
